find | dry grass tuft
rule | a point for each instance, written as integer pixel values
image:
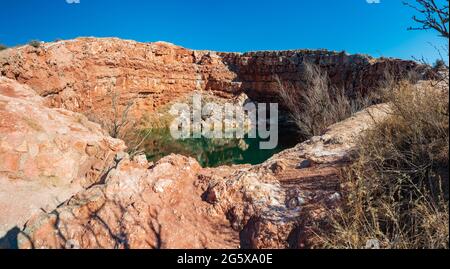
(397, 191)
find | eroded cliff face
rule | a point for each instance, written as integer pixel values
(357, 74)
(78, 74)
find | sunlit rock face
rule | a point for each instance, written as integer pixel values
(140, 205)
(78, 74)
(46, 154)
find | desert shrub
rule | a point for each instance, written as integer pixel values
(3, 47)
(315, 105)
(397, 190)
(114, 117)
(35, 43)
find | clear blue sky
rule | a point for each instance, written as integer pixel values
(226, 25)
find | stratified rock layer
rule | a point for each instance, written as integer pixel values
(78, 74)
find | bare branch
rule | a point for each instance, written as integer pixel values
(432, 16)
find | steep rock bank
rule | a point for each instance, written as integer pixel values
(78, 74)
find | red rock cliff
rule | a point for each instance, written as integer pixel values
(77, 74)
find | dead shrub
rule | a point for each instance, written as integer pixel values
(315, 105)
(118, 122)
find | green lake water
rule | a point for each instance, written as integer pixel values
(215, 152)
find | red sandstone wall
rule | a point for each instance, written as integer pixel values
(78, 74)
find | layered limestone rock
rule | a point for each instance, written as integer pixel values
(80, 74)
(46, 154)
(177, 204)
(260, 72)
